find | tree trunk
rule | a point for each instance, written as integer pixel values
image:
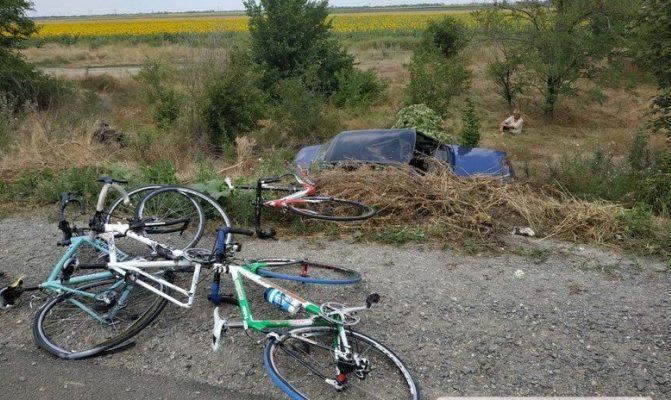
(551, 94)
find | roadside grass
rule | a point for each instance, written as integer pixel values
(54, 150)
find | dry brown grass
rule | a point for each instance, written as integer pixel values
(452, 208)
(43, 143)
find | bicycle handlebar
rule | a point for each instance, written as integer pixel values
(100, 207)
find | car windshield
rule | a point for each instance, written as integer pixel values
(391, 146)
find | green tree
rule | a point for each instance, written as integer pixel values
(15, 26)
(470, 130)
(562, 41)
(292, 38)
(437, 70)
(505, 67)
(654, 31)
(19, 80)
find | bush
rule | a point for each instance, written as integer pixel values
(470, 131)
(292, 38)
(166, 100)
(423, 119)
(448, 36)
(232, 104)
(592, 177)
(46, 187)
(434, 81)
(357, 88)
(22, 83)
(168, 108)
(7, 122)
(162, 172)
(638, 221)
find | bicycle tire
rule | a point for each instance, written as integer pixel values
(363, 211)
(220, 215)
(47, 341)
(283, 269)
(169, 204)
(274, 364)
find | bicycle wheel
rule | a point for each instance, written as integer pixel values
(104, 315)
(120, 213)
(331, 209)
(215, 216)
(303, 368)
(307, 272)
(168, 204)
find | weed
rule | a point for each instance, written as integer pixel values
(401, 236)
(162, 172)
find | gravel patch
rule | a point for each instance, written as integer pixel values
(543, 319)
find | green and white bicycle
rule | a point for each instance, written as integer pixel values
(315, 356)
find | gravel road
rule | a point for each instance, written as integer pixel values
(574, 321)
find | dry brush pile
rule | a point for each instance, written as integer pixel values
(454, 208)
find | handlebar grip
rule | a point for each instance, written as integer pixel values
(241, 231)
(122, 192)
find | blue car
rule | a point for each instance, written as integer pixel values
(403, 146)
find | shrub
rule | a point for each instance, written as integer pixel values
(298, 111)
(166, 100)
(7, 122)
(168, 108)
(424, 119)
(232, 104)
(292, 38)
(434, 81)
(22, 83)
(356, 88)
(448, 36)
(470, 131)
(162, 172)
(638, 221)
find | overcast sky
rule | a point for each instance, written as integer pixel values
(91, 7)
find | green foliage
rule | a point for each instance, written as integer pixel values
(214, 187)
(162, 172)
(155, 78)
(558, 41)
(7, 122)
(232, 103)
(45, 187)
(470, 131)
(168, 108)
(292, 38)
(423, 119)
(638, 220)
(654, 44)
(22, 83)
(401, 236)
(15, 26)
(447, 36)
(357, 88)
(434, 81)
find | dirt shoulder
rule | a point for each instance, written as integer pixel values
(574, 321)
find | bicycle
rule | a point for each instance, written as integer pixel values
(302, 201)
(100, 312)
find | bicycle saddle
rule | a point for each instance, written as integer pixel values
(108, 180)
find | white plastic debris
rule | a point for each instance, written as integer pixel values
(519, 274)
(527, 231)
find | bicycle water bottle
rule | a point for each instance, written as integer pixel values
(282, 300)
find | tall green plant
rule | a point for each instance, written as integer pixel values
(654, 29)
(561, 41)
(470, 130)
(292, 38)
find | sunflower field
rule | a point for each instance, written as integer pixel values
(381, 22)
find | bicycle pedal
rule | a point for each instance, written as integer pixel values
(219, 329)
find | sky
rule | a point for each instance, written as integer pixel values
(92, 7)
